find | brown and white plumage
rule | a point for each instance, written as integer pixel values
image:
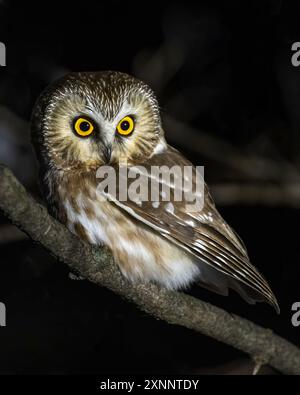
(165, 241)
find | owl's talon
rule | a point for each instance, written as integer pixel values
(73, 276)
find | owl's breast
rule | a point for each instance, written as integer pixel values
(141, 253)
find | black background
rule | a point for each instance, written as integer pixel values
(222, 69)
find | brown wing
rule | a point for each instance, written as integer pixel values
(222, 256)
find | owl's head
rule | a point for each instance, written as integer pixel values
(85, 120)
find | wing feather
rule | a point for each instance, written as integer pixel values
(202, 233)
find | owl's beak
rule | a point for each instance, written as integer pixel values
(106, 153)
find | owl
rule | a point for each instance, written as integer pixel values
(85, 121)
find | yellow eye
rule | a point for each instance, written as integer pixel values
(83, 127)
(125, 126)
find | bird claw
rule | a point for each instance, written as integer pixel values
(73, 276)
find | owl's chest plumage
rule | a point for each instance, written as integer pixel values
(141, 253)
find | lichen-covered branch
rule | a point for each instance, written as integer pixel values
(97, 265)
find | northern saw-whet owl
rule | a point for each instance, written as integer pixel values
(87, 120)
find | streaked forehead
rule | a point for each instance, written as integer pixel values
(107, 92)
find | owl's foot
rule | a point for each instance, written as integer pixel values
(73, 276)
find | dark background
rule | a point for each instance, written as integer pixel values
(230, 101)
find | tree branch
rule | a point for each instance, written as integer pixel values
(97, 265)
